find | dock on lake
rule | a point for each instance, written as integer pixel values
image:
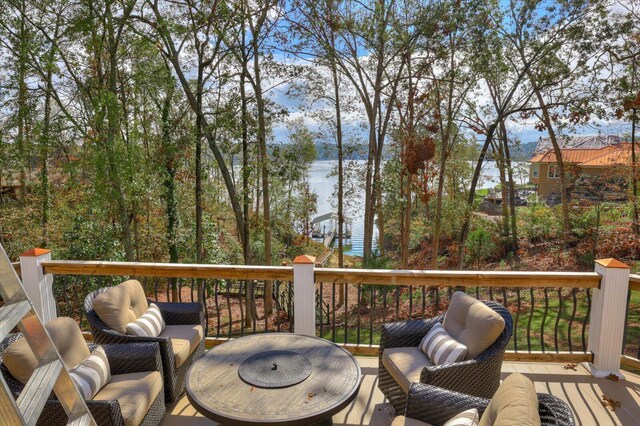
(325, 227)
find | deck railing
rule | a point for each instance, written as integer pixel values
(552, 311)
(631, 346)
(229, 291)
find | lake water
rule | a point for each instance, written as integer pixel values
(324, 185)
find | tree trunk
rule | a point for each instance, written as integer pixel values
(499, 160)
(246, 248)
(369, 196)
(113, 130)
(249, 285)
(336, 95)
(44, 158)
(372, 176)
(564, 185)
(634, 172)
(173, 56)
(405, 191)
(634, 161)
(379, 212)
(377, 176)
(198, 165)
(406, 223)
(21, 138)
(512, 193)
(503, 112)
(262, 143)
(437, 224)
(472, 194)
(444, 154)
(171, 208)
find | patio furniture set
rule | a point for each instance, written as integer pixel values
(441, 371)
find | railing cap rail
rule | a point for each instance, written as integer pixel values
(459, 278)
(634, 282)
(170, 270)
(335, 275)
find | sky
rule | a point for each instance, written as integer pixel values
(522, 130)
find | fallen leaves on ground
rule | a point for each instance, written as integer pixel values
(608, 402)
(613, 377)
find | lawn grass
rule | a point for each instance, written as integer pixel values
(632, 337)
(553, 324)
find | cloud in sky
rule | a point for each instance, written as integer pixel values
(356, 123)
(523, 130)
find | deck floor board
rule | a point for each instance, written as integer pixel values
(582, 391)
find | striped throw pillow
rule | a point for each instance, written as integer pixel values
(466, 418)
(92, 374)
(150, 324)
(441, 348)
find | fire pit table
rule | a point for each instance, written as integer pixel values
(273, 378)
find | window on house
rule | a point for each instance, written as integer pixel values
(535, 170)
(554, 171)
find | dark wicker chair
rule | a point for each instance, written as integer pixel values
(123, 359)
(436, 406)
(173, 314)
(479, 377)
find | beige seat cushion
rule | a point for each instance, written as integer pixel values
(184, 340)
(472, 323)
(121, 305)
(134, 391)
(407, 421)
(66, 335)
(465, 418)
(515, 402)
(405, 365)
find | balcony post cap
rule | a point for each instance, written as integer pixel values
(304, 259)
(612, 263)
(35, 252)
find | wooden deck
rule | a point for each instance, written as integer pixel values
(578, 388)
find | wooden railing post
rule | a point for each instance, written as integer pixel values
(608, 313)
(304, 295)
(37, 284)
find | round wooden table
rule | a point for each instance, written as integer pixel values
(216, 390)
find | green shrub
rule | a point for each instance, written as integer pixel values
(583, 222)
(378, 261)
(453, 212)
(419, 232)
(90, 238)
(538, 222)
(479, 246)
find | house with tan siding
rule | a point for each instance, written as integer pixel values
(591, 160)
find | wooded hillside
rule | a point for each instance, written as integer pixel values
(183, 130)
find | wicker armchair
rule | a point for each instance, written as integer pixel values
(434, 405)
(479, 377)
(123, 359)
(173, 314)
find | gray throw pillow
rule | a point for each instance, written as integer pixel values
(441, 348)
